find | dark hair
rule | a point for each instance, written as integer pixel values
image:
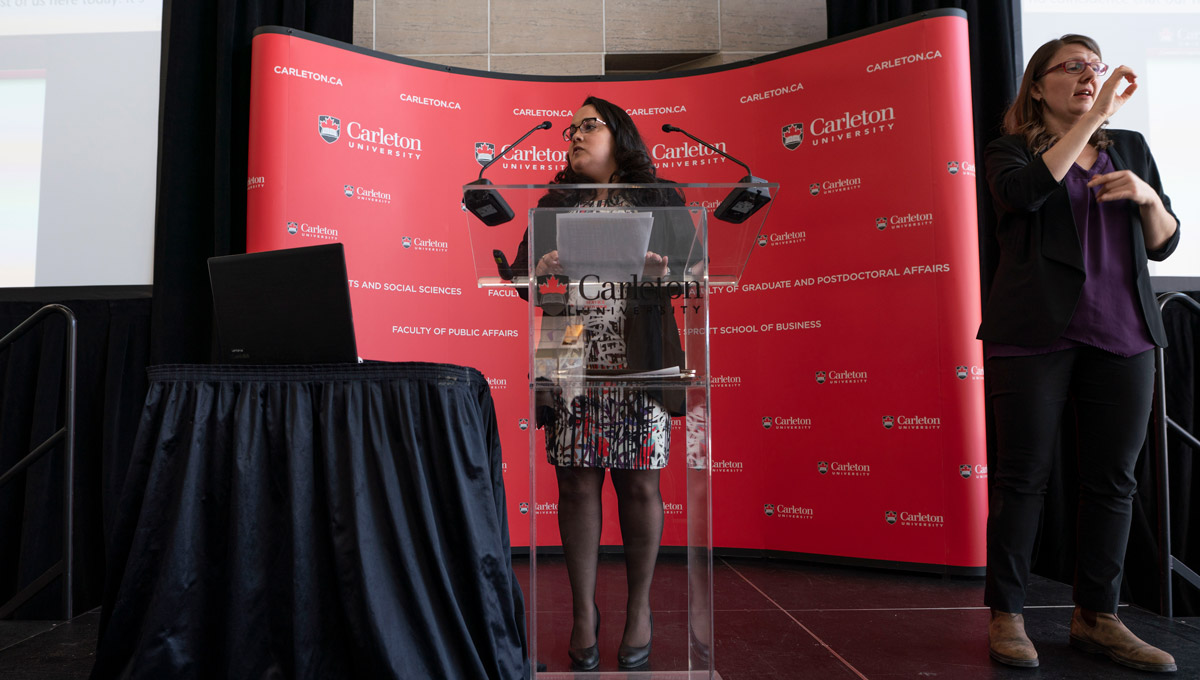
(1025, 116)
(634, 164)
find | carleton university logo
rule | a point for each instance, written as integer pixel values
(766, 422)
(406, 242)
(349, 190)
(330, 128)
(552, 294)
(814, 188)
(524, 508)
(292, 227)
(762, 241)
(820, 377)
(965, 471)
(484, 152)
(768, 509)
(793, 135)
(961, 372)
(881, 223)
(952, 167)
(890, 516)
(889, 422)
(823, 467)
(524, 423)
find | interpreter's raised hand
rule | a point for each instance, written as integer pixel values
(1123, 184)
(1109, 100)
(548, 264)
(656, 265)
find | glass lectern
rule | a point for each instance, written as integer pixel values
(618, 319)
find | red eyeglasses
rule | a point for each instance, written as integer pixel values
(1075, 67)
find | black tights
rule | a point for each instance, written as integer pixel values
(640, 510)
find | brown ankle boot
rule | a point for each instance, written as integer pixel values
(1105, 634)
(1007, 641)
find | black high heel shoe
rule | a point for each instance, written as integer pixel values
(629, 658)
(589, 658)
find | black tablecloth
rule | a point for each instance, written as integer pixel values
(340, 521)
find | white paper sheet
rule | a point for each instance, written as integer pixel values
(609, 245)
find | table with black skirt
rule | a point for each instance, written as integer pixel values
(330, 521)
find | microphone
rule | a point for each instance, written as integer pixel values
(502, 267)
(742, 202)
(488, 205)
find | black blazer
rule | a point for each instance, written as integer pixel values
(1040, 272)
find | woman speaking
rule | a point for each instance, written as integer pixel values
(624, 431)
(1071, 316)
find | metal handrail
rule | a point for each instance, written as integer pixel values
(66, 434)
(1167, 563)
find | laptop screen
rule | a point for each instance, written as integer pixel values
(288, 306)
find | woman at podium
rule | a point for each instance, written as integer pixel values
(1071, 315)
(622, 430)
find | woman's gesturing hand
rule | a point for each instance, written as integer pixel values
(1108, 100)
(1158, 224)
(1123, 184)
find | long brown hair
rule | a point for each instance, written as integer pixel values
(1025, 116)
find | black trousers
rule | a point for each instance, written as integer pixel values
(1112, 396)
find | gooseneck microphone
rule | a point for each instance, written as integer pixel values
(488, 205)
(667, 127)
(742, 202)
(544, 125)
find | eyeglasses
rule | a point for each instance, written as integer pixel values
(1076, 67)
(587, 126)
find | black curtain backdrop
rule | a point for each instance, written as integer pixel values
(994, 30)
(201, 208)
(1182, 373)
(113, 346)
(203, 119)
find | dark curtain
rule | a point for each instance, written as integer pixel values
(113, 346)
(201, 206)
(310, 522)
(203, 128)
(1182, 371)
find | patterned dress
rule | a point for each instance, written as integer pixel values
(607, 425)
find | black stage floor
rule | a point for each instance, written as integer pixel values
(779, 619)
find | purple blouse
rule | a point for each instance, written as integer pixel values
(1108, 314)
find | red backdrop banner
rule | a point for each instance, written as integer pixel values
(847, 384)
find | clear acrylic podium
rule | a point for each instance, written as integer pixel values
(619, 367)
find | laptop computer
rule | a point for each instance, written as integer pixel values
(288, 306)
